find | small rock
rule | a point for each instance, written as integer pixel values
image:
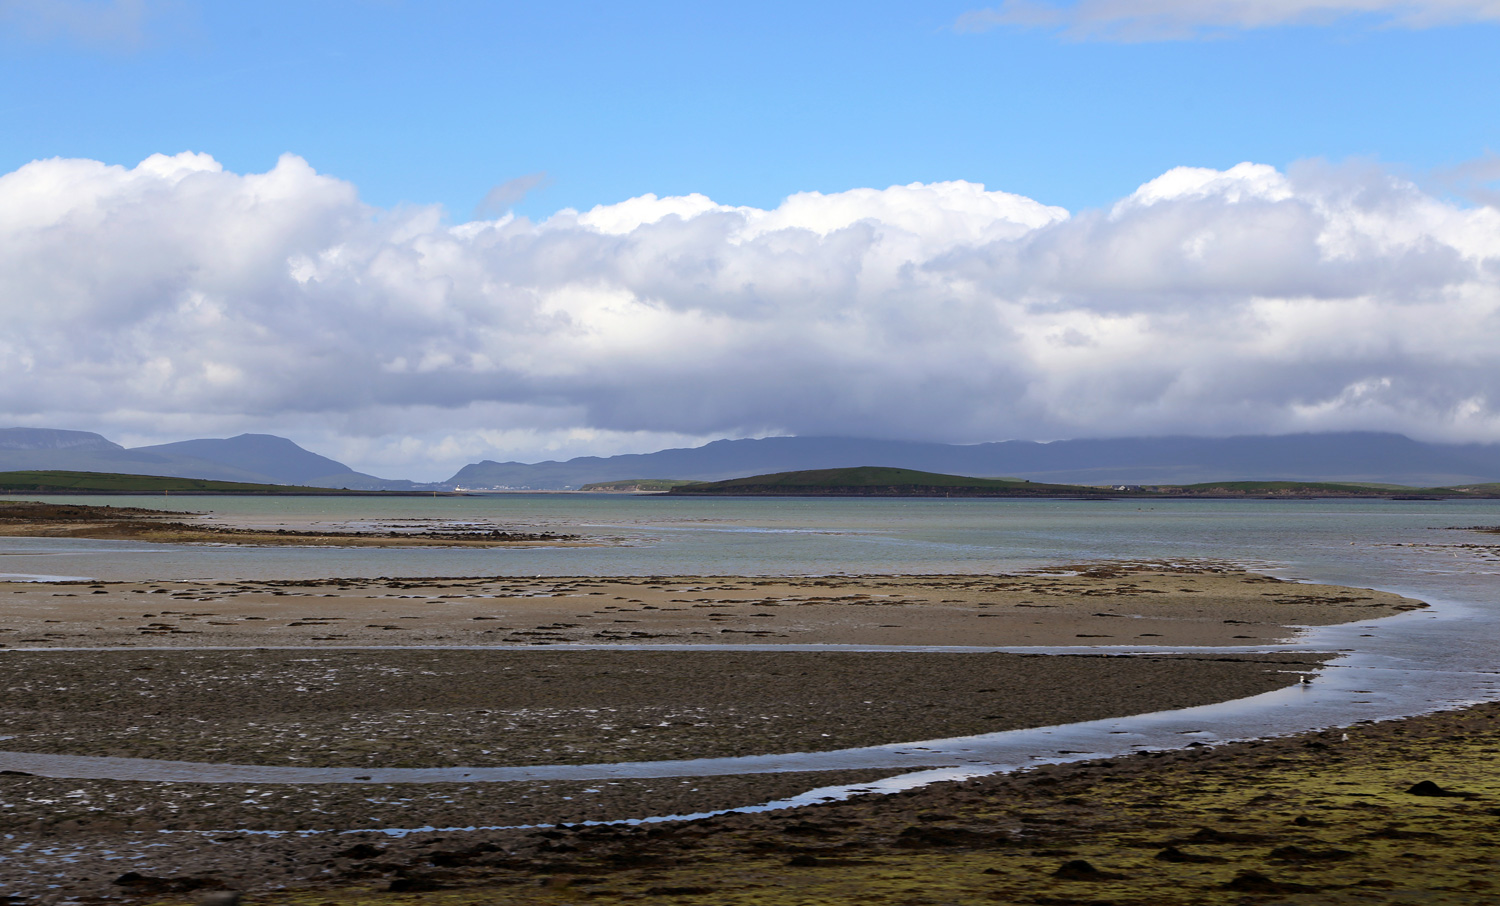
(1298, 854)
(1080, 870)
(1428, 788)
(413, 885)
(359, 851)
(1173, 854)
(1248, 881)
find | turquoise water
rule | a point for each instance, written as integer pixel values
(1348, 541)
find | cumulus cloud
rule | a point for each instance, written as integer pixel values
(176, 299)
(1167, 20)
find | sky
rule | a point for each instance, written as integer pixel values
(411, 236)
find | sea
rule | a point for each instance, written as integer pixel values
(1397, 544)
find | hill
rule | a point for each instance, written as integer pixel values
(1345, 458)
(877, 481)
(62, 482)
(251, 458)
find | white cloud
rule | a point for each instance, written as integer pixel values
(175, 299)
(1167, 20)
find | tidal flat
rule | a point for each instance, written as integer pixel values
(305, 674)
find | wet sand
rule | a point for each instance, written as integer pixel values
(472, 708)
(497, 708)
(1122, 604)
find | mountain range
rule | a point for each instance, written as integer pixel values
(1354, 456)
(259, 458)
(265, 458)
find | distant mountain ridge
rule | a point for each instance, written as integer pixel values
(253, 458)
(263, 454)
(268, 459)
(31, 439)
(1351, 456)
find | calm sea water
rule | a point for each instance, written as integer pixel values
(1350, 541)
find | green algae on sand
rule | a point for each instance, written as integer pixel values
(1321, 818)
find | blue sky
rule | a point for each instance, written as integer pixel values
(411, 236)
(747, 103)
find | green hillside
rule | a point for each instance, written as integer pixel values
(637, 484)
(878, 481)
(55, 482)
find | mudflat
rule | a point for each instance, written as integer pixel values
(1398, 812)
(469, 672)
(437, 708)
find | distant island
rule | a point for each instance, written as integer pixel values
(63, 482)
(877, 481)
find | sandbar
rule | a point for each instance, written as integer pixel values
(1122, 604)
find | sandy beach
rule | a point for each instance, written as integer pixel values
(468, 672)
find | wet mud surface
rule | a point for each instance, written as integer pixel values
(1400, 812)
(440, 708)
